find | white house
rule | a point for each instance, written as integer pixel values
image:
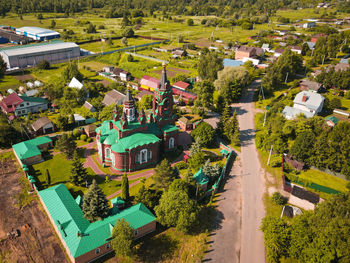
(75, 84)
(305, 102)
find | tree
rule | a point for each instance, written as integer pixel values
(62, 122)
(91, 29)
(95, 204)
(334, 103)
(110, 42)
(278, 199)
(130, 58)
(146, 102)
(125, 21)
(44, 64)
(211, 171)
(72, 71)
(177, 209)
(66, 144)
(123, 238)
(78, 171)
(303, 147)
(205, 133)
(164, 174)
(209, 65)
(231, 81)
(48, 177)
(53, 24)
(125, 188)
(205, 94)
(277, 238)
(124, 41)
(128, 32)
(3, 67)
(190, 22)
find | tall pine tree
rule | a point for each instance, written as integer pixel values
(95, 204)
(125, 188)
(78, 171)
(164, 174)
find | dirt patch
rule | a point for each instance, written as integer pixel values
(24, 77)
(36, 241)
(203, 43)
(180, 70)
(170, 73)
(104, 82)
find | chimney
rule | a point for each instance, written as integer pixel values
(304, 99)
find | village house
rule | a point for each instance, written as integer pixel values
(43, 125)
(245, 52)
(232, 63)
(22, 105)
(296, 49)
(85, 241)
(314, 38)
(149, 83)
(29, 152)
(87, 105)
(113, 97)
(278, 52)
(143, 93)
(122, 74)
(185, 95)
(308, 85)
(307, 103)
(181, 85)
(135, 141)
(90, 130)
(185, 124)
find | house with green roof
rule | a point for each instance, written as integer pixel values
(201, 179)
(135, 141)
(29, 152)
(85, 241)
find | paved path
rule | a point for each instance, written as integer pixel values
(225, 239)
(252, 243)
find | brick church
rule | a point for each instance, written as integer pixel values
(134, 141)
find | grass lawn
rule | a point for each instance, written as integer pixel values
(271, 208)
(324, 179)
(8, 82)
(345, 103)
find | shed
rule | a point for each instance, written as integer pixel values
(185, 124)
(113, 97)
(90, 130)
(43, 125)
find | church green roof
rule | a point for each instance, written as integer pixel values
(30, 148)
(133, 141)
(169, 128)
(69, 219)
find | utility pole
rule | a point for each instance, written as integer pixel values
(268, 161)
(286, 78)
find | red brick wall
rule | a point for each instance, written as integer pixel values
(167, 137)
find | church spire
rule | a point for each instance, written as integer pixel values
(164, 82)
(129, 106)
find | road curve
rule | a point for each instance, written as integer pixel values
(252, 243)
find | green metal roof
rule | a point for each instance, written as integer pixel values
(29, 148)
(333, 119)
(70, 221)
(33, 99)
(224, 152)
(169, 128)
(133, 141)
(200, 177)
(117, 201)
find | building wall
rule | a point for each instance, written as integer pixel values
(92, 255)
(302, 107)
(30, 107)
(32, 160)
(167, 138)
(34, 58)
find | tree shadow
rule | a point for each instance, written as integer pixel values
(165, 247)
(247, 136)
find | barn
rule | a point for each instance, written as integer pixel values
(37, 33)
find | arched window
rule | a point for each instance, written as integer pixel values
(113, 159)
(99, 148)
(171, 142)
(108, 153)
(143, 156)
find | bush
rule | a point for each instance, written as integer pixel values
(276, 161)
(83, 137)
(77, 133)
(101, 27)
(278, 199)
(44, 64)
(89, 140)
(182, 165)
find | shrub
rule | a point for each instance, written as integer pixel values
(101, 27)
(276, 161)
(44, 64)
(77, 133)
(279, 199)
(182, 165)
(89, 140)
(83, 137)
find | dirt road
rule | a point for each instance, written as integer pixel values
(252, 243)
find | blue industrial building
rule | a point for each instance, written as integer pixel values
(37, 33)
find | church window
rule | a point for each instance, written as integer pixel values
(149, 155)
(171, 142)
(99, 148)
(108, 153)
(113, 159)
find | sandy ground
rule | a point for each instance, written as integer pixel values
(37, 243)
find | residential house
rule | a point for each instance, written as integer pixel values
(309, 25)
(90, 130)
(266, 47)
(122, 74)
(178, 53)
(181, 85)
(29, 152)
(149, 83)
(84, 241)
(108, 69)
(278, 52)
(245, 52)
(143, 93)
(22, 105)
(341, 67)
(311, 45)
(75, 84)
(43, 125)
(308, 85)
(296, 49)
(185, 124)
(314, 38)
(113, 97)
(305, 102)
(87, 105)
(78, 119)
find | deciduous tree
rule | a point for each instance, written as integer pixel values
(123, 238)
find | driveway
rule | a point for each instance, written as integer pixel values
(252, 242)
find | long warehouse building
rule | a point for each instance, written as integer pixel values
(31, 55)
(37, 33)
